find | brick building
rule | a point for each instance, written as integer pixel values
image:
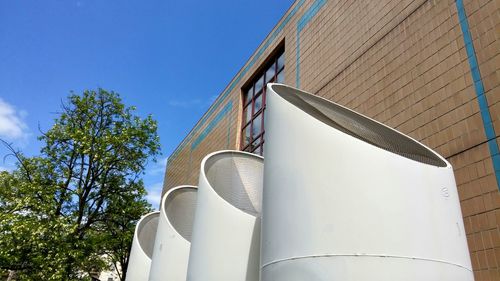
(428, 68)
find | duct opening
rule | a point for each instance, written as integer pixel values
(147, 232)
(180, 207)
(358, 126)
(237, 178)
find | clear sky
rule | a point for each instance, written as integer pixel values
(168, 58)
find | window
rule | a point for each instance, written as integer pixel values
(254, 104)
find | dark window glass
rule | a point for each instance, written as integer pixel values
(257, 126)
(281, 62)
(247, 134)
(259, 84)
(258, 103)
(270, 72)
(249, 95)
(254, 102)
(281, 77)
(248, 112)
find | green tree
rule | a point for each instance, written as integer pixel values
(66, 213)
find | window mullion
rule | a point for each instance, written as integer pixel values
(251, 101)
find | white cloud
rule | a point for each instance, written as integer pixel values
(12, 126)
(157, 168)
(186, 103)
(193, 103)
(6, 168)
(154, 194)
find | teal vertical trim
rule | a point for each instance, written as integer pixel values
(479, 89)
(303, 21)
(309, 14)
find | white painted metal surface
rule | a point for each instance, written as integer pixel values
(142, 248)
(173, 237)
(226, 230)
(347, 198)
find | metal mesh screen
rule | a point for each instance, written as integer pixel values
(237, 178)
(180, 207)
(147, 233)
(359, 126)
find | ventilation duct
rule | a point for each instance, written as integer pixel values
(142, 248)
(226, 229)
(348, 198)
(173, 237)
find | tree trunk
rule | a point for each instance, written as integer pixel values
(12, 275)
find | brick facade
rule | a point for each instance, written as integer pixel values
(405, 63)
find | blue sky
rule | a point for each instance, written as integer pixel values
(168, 58)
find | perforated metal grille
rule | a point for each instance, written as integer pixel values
(237, 177)
(147, 232)
(359, 126)
(180, 206)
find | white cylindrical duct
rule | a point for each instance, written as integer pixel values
(348, 198)
(173, 237)
(142, 248)
(226, 229)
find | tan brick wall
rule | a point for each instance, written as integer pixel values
(403, 63)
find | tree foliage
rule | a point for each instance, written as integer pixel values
(62, 212)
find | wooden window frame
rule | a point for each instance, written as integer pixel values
(256, 144)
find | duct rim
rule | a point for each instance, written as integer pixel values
(211, 159)
(143, 222)
(167, 198)
(361, 127)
